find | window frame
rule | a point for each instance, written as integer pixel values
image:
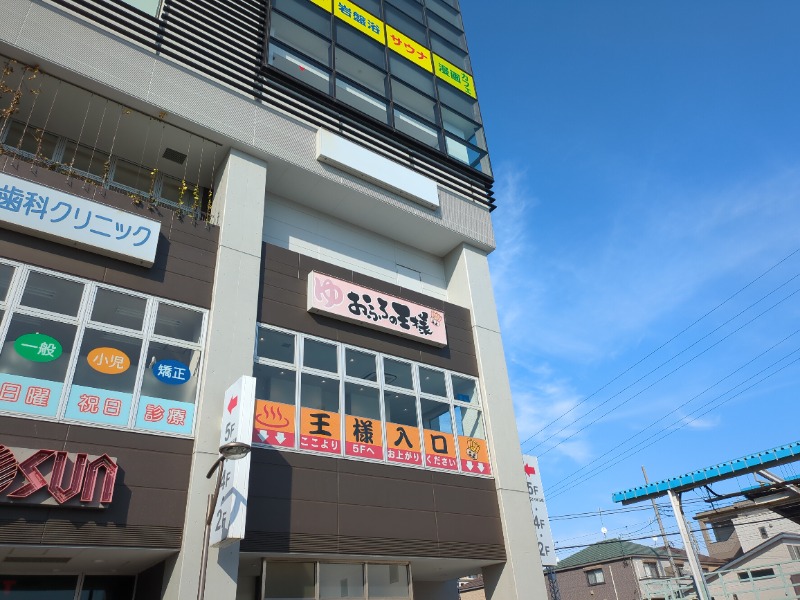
(592, 574)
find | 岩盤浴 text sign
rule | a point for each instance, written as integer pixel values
(347, 301)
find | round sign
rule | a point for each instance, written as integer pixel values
(172, 372)
(38, 347)
(108, 360)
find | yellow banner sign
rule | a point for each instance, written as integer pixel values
(326, 4)
(360, 19)
(405, 46)
(454, 76)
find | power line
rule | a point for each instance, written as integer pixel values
(683, 424)
(676, 409)
(669, 341)
(718, 342)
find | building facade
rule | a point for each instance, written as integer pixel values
(297, 191)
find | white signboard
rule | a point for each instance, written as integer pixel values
(44, 212)
(539, 508)
(230, 512)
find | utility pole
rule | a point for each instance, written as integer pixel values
(691, 552)
(671, 558)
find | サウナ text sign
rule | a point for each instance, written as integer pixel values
(44, 212)
(55, 477)
(347, 301)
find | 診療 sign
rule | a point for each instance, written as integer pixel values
(44, 212)
(347, 301)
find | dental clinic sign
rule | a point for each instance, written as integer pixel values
(44, 212)
(347, 301)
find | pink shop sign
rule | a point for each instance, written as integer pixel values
(356, 304)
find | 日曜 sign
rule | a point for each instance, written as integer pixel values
(347, 301)
(51, 214)
(230, 512)
(540, 519)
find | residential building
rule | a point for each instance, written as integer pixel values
(767, 511)
(195, 191)
(620, 570)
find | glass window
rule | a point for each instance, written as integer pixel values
(31, 139)
(319, 355)
(458, 101)
(419, 79)
(410, 7)
(469, 422)
(360, 45)
(387, 581)
(450, 53)
(341, 581)
(116, 308)
(290, 580)
(171, 190)
(275, 345)
(464, 389)
(319, 392)
(306, 13)
(300, 39)
(372, 6)
(445, 11)
(179, 381)
(361, 72)
(436, 416)
(360, 365)
(105, 375)
(416, 128)
(463, 128)
(595, 577)
(6, 272)
(54, 294)
(107, 588)
(432, 382)
(148, 6)
(397, 373)
(274, 384)
(131, 176)
(299, 68)
(400, 409)
(38, 587)
(350, 94)
(85, 159)
(178, 322)
(362, 401)
(447, 31)
(409, 98)
(412, 27)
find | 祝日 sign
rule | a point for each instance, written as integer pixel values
(48, 213)
(347, 301)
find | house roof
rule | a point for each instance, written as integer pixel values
(608, 550)
(616, 549)
(743, 559)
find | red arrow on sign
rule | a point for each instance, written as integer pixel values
(232, 404)
(529, 470)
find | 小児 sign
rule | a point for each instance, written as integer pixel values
(48, 213)
(541, 521)
(230, 513)
(347, 301)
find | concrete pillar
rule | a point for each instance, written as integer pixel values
(520, 577)
(238, 208)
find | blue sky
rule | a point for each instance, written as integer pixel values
(647, 165)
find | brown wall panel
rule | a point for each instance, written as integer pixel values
(149, 494)
(184, 265)
(306, 503)
(284, 304)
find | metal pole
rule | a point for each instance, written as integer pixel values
(212, 503)
(691, 554)
(663, 532)
(552, 580)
